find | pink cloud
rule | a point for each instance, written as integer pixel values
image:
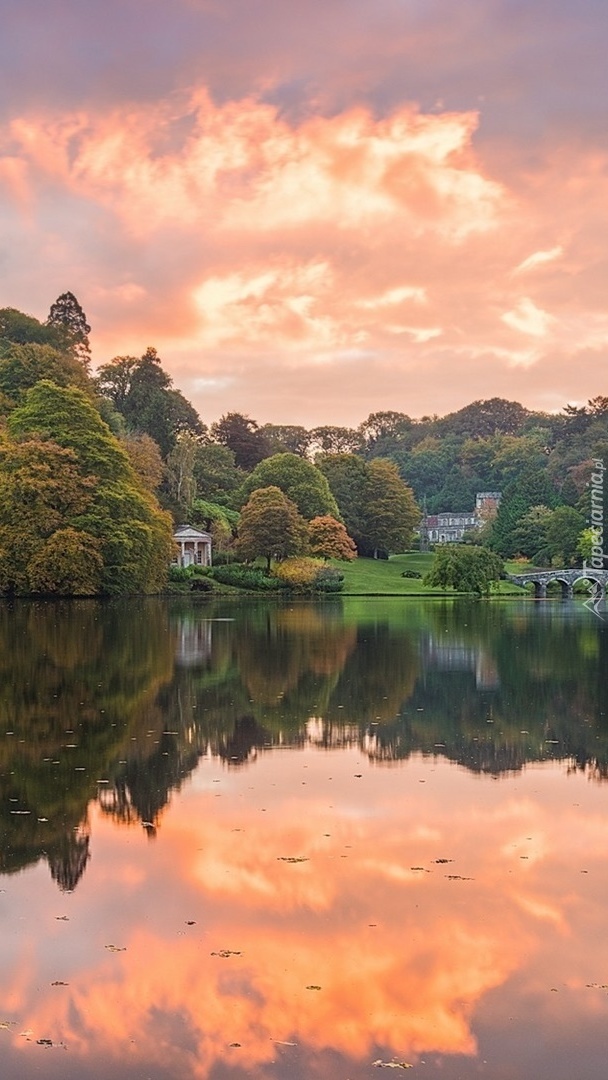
(270, 258)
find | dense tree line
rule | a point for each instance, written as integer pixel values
(95, 469)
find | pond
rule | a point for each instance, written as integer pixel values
(291, 841)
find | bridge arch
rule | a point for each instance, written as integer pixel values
(567, 578)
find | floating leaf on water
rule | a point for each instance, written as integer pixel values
(443, 860)
(313, 987)
(281, 1042)
(5, 1025)
(62, 918)
(225, 953)
(392, 1064)
(233, 1045)
(58, 982)
(116, 948)
(458, 877)
(292, 858)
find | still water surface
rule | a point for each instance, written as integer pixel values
(241, 840)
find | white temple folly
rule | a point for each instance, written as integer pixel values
(194, 546)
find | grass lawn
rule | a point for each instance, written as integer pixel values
(382, 577)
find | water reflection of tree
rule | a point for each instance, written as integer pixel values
(77, 691)
(135, 694)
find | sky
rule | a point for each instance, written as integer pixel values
(317, 210)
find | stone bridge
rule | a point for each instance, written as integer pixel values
(567, 579)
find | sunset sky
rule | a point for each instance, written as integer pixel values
(316, 210)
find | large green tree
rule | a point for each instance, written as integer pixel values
(287, 438)
(378, 508)
(67, 315)
(216, 473)
(530, 535)
(142, 392)
(390, 510)
(271, 526)
(332, 439)
(297, 478)
(532, 488)
(22, 366)
(244, 437)
(563, 535)
(120, 518)
(346, 475)
(465, 569)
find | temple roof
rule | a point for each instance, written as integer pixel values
(188, 532)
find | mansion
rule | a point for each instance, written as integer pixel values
(450, 527)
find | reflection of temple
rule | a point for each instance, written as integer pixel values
(193, 642)
(457, 656)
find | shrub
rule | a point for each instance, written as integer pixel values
(411, 574)
(299, 573)
(244, 577)
(179, 573)
(306, 575)
(329, 580)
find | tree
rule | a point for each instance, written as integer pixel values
(390, 510)
(271, 526)
(19, 329)
(216, 473)
(144, 455)
(22, 366)
(67, 314)
(385, 432)
(586, 542)
(68, 563)
(329, 539)
(530, 535)
(287, 438)
(180, 470)
(304, 484)
(563, 534)
(335, 440)
(465, 569)
(221, 522)
(42, 489)
(134, 535)
(243, 436)
(142, 392)
(532, 488)
(346, 475)
(378, 508)
(483, 418)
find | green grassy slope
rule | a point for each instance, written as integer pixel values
(382, 577)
